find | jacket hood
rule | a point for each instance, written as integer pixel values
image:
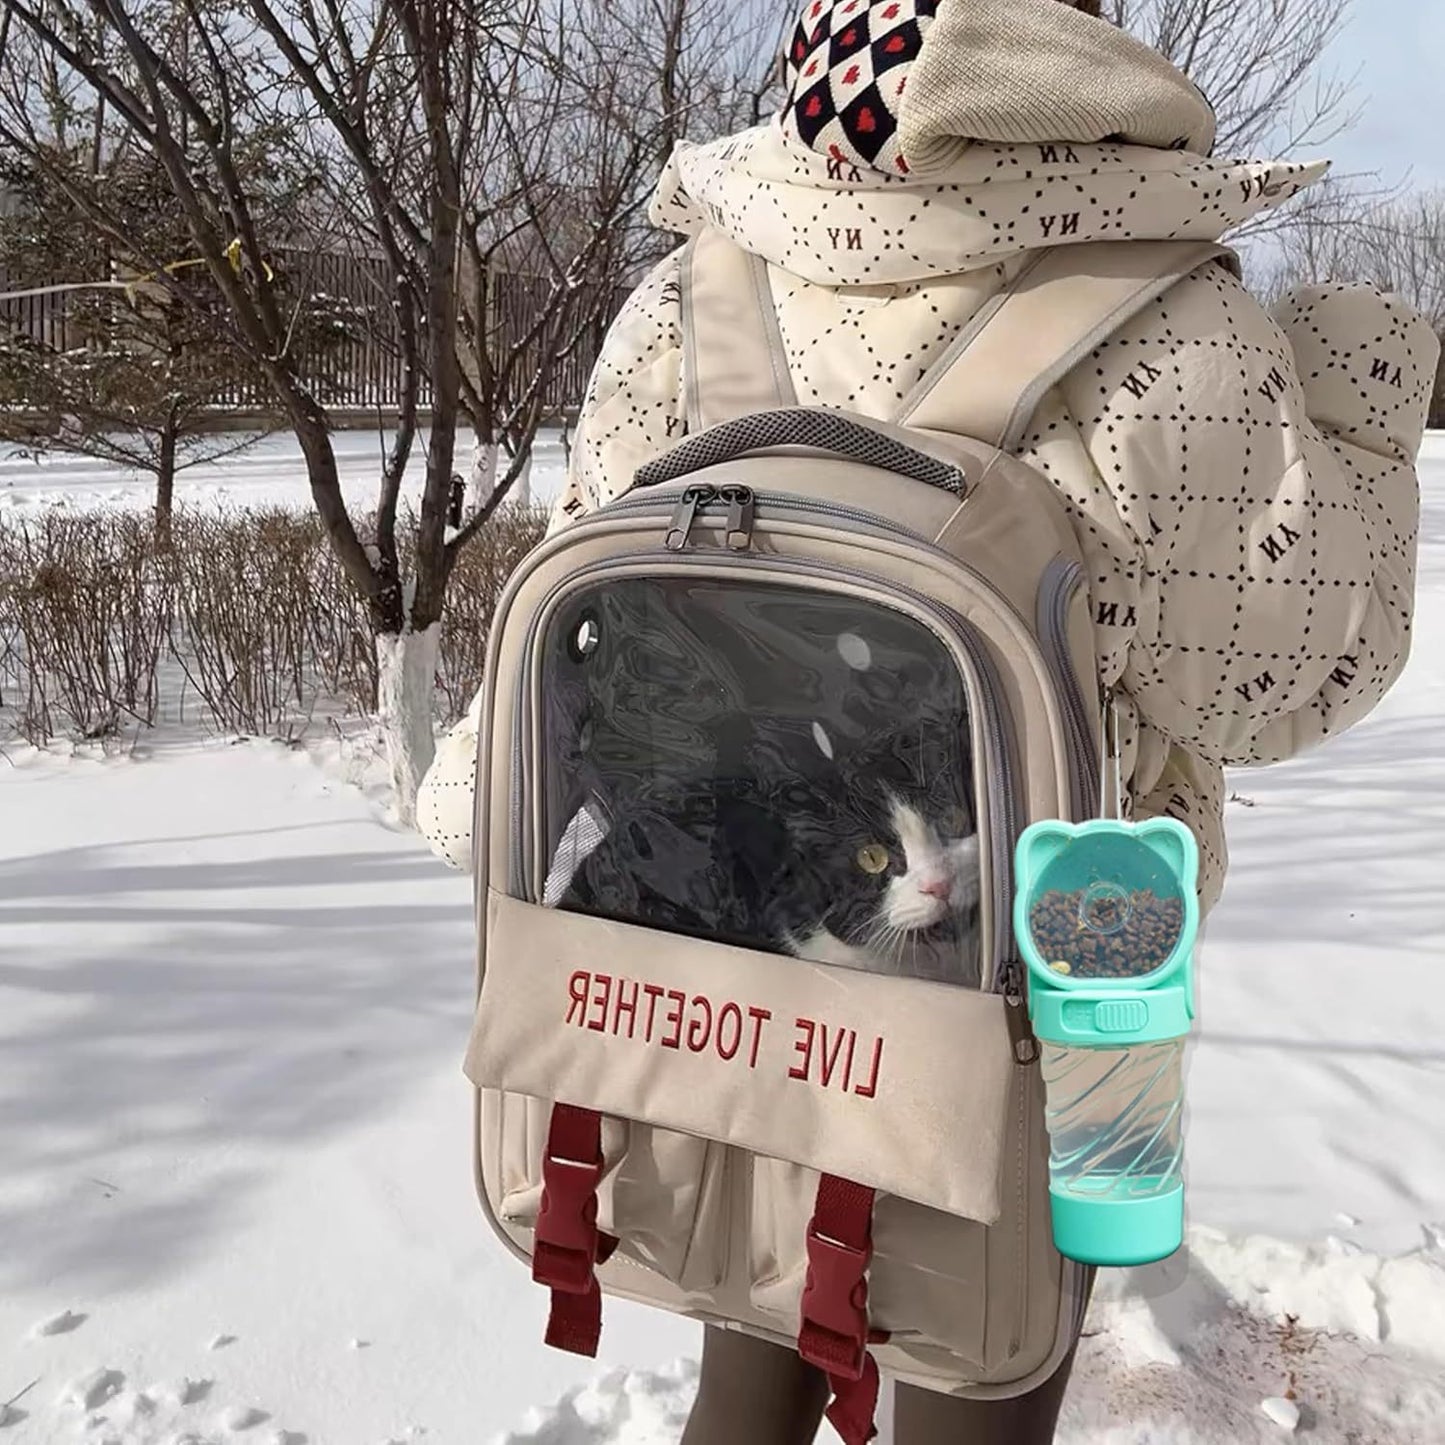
(901, 85)
(1003, 157)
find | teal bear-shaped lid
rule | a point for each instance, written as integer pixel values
(1110, 910)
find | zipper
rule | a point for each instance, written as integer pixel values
(1061, 582)
(737, 530)
(685, 514)
(783, 501)
(1021, 1034)
(742, 508)
(1021, 1232)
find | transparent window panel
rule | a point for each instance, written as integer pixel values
(777, 767)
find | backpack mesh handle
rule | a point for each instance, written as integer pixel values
(800, 427)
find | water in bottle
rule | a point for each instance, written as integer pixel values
(1106, 917)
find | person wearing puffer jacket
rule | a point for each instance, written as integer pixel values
(1242, 484)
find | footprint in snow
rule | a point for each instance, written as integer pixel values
(132, 1409)
(221, 1341)
(10, 1415)
(191, 1392)
(288, 1437)
(92, 1391)
(243, 1417)
(61, 1324)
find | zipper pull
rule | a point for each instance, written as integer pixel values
(685, 515)
(741, 508)
(1021, 1034)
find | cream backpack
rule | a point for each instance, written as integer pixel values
(810, 665)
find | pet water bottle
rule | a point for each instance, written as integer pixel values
(1106, 916)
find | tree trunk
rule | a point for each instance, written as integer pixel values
(166, 484)
(486, 457)
(487, 471)
(406, 678)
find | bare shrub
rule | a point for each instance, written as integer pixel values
(244, 598)
(250, 610)
(340, 638)
(481, 572)
(86, 615)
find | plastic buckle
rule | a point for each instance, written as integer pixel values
(565, 1250)
(835, 1335)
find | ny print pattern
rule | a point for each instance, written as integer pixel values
(1241, 484)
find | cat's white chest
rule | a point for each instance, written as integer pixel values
(820, 946)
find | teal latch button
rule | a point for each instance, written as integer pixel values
(1121, 1016)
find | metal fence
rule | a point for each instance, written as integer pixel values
(352, 360)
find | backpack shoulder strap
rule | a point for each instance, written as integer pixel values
(990, 381)
(733, 357)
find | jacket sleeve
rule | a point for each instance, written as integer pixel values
(633, 408)
(1263, 577)
(631, 412)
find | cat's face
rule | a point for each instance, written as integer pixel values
(902, 877)
(933, 867)
(888, 874)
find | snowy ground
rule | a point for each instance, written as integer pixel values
(270, 473)
(235, 1200)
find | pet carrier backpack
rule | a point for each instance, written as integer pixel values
(809, 661)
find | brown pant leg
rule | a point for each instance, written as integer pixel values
(754, 1393)
(923, 1417)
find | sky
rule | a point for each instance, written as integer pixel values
(1397, 47)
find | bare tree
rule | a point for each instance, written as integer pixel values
(1258, 62)
(1398, 247)
(119, 372)
(378, 122)
(716, 64)
(557, 207)
(548, 215)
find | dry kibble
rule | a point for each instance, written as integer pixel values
(1108, 935)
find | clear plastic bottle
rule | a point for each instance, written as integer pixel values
(1115, 1120)
(1106, 917)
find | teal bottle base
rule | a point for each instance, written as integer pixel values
(1114, 1233)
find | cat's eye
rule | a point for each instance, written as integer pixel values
(873, 858)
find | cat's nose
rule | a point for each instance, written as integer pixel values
(940, 888)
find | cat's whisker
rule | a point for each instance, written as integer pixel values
(899, 941)
(875, 939)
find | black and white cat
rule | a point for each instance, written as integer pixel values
(870, 861)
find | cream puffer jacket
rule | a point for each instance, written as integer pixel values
(1243, 485)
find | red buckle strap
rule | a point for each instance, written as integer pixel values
(568, 1245)
(834, 1335)
(854, 1410)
